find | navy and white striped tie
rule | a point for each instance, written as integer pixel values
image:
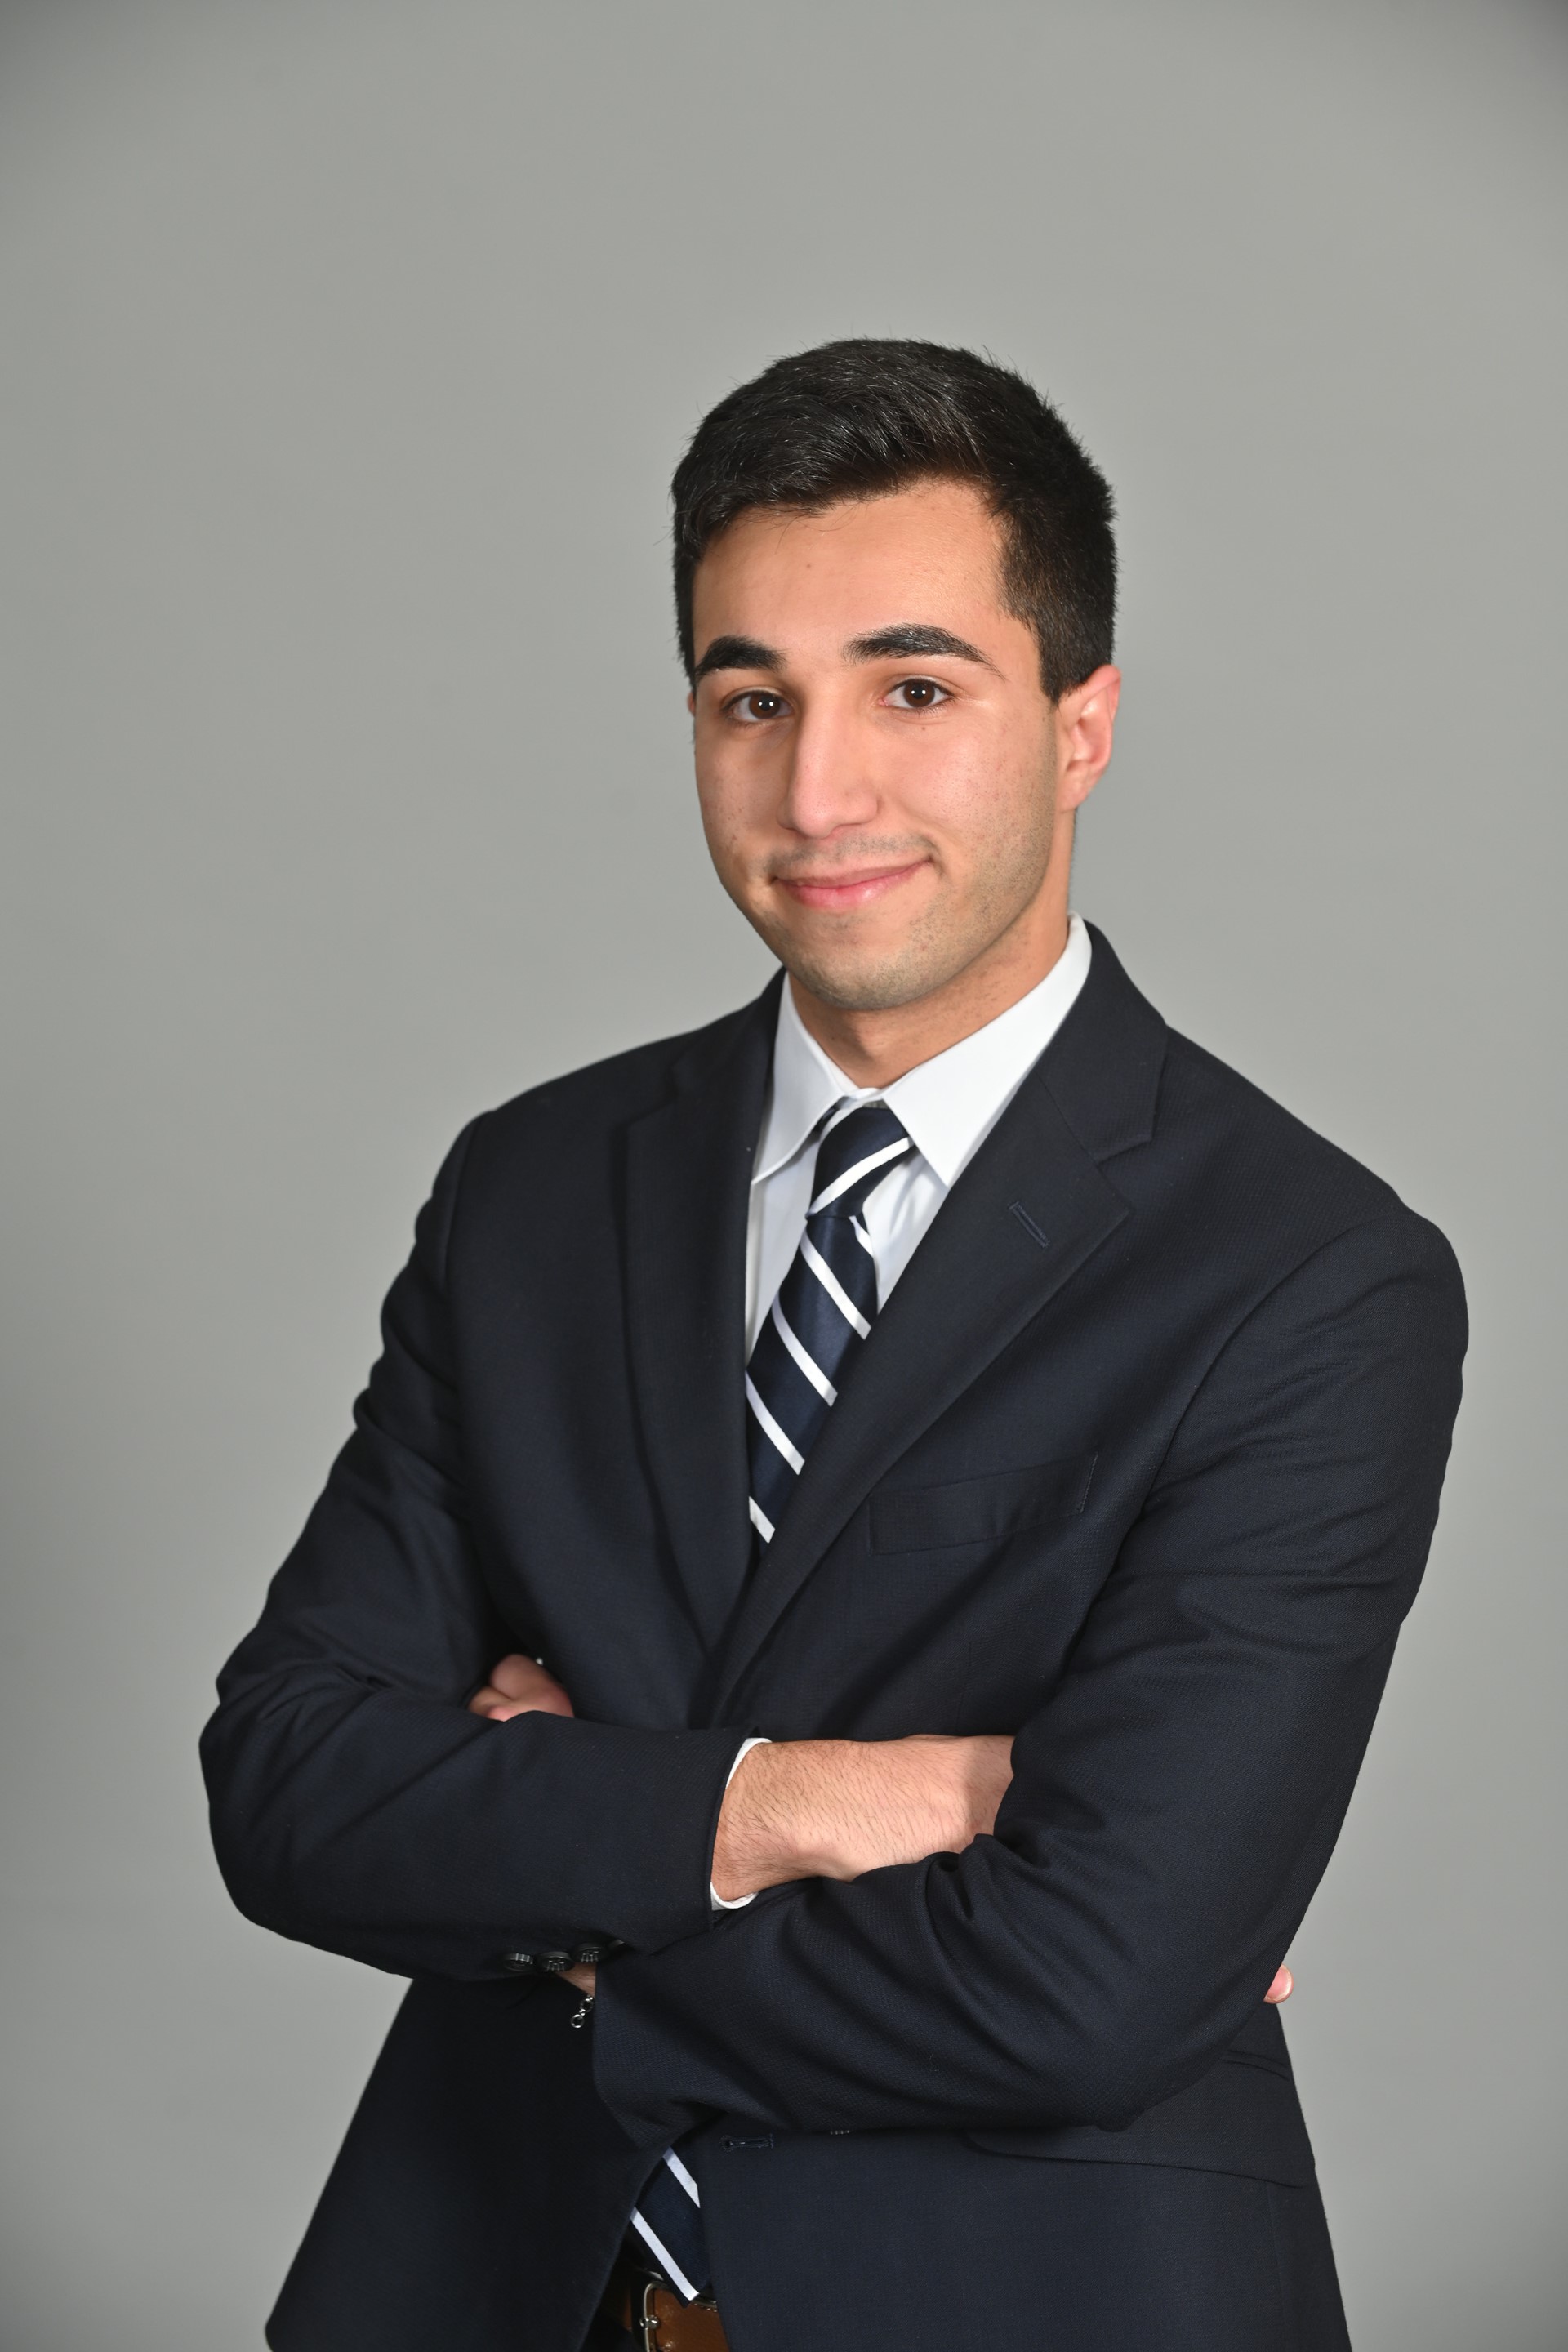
(825, 1309)
(668, 2220)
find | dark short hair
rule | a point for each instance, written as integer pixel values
(856, 419)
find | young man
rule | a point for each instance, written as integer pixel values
(840, 1647)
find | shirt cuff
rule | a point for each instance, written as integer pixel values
(739, 1901)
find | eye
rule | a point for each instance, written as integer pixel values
(918, 694)
(756, 707)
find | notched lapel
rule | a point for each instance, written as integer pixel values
(688, 1170)
(1021, 1220)
(1030, 1208)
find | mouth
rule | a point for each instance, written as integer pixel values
(841, 893)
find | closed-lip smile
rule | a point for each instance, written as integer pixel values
(840, 891)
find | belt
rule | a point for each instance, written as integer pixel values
(659, 2319)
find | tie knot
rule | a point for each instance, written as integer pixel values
(859, 1147)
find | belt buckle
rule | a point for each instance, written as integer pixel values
(648, 2324)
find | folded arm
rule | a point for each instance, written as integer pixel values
(821, 1808)
(1174, 1799)
(356, 1803)
(363, 1800)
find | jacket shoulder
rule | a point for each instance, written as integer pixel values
(1260, 1165)
(624, 1085)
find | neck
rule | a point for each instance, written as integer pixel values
(874, 1048)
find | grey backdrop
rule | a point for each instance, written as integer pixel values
(344, 352)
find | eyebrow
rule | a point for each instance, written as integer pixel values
(906, 640)
(736, 653)
(910, 639)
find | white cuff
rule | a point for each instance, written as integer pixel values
(739, 1901)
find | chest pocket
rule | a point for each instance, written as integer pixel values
(981, 1510)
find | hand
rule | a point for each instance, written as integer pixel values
(1283, 1985)
(835, 1808)
(518, 1685)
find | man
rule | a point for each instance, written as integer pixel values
(840, 1647)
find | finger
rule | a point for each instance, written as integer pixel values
(498, 1708)
(523, 1678)
(1283, 1985)
(516, 1674)
(501, 1708)
(547, 1699)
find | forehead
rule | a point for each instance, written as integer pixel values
(930, 552)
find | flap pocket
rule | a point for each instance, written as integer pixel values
(1242, 2116)
(981, 1510)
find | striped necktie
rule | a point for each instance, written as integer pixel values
(825, 1309)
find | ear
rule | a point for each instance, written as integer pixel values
(1085, 728)
(691, 702)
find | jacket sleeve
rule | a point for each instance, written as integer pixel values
(1175, 1798)
(356, 1803)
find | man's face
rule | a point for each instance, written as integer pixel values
(877, 759)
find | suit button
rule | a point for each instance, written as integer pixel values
(552, 1962)
(589, 1954)
(519, 1964)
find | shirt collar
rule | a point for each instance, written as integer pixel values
(949, 1105)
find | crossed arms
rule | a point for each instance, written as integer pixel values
(1172, 1801)
(821, 1808)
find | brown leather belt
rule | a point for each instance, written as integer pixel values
(659, 2318)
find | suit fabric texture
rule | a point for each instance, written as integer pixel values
(1140, 1464)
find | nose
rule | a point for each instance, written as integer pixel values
(829, 783)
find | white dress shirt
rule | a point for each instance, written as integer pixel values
(948, 1106)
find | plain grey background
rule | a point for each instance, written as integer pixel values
(345, 350)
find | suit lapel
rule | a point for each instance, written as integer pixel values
(688, 1169)
(1031, 1207)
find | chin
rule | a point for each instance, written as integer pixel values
(864, 984)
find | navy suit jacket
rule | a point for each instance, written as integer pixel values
(1141, 1463)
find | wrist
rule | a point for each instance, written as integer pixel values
(773, 1824)
(733, 1902)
